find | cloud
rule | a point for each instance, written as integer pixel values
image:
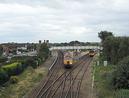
(61, 20)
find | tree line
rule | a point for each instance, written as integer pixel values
(116, 52)
(76, 43)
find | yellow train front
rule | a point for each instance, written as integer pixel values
(91, 53)
(68, 60)
(68, 64)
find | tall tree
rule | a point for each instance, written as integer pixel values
(1, 50)
(43, 51)
(104, 34)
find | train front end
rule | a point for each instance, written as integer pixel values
(68, 60)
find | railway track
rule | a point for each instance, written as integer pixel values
(63, 83)
(73, 81)
(49, 79)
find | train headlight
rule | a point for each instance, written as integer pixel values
(70, 62)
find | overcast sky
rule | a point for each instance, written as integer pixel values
(61, 20)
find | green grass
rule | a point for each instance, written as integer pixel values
(102, 78)
(122, 93)
(102, 81)
(26, 81)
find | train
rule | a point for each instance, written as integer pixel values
(91, 53)
(70, 58)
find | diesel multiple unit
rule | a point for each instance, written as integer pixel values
(70, 57)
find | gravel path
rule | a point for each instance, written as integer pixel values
(86, 88)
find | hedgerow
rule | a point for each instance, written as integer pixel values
(9, 70)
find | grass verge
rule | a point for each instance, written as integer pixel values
(26, 81)
(102, 80)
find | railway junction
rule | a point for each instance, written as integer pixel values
(66, 83)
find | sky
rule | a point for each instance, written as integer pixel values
(62, 20)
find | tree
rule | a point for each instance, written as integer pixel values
(3, 76)
(31, 62)
(123, 49)
(43, 52)
(104, 34)
(121, 75)
(115, 48)
(1, 50)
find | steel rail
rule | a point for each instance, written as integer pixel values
(75, 78)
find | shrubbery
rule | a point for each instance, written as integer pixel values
(116, 51)
(31, 62)
(16, 68)
(3, 59)
(19, 58)
(121, 74)
(9, 70)
(13, 69)
(3, 76)
(13, 79)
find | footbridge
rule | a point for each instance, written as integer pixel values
(75, 47)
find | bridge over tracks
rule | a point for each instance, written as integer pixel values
(75, 47)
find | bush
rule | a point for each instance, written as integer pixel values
(8, 70)
(123, 93)
(16, 68)
(31, 62)
(121, 75)
(3, 76)
(13, 69)
(3, 59)
(19, 58)
(13, 79)
(39, 61)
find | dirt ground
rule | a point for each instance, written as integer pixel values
(86, 87)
